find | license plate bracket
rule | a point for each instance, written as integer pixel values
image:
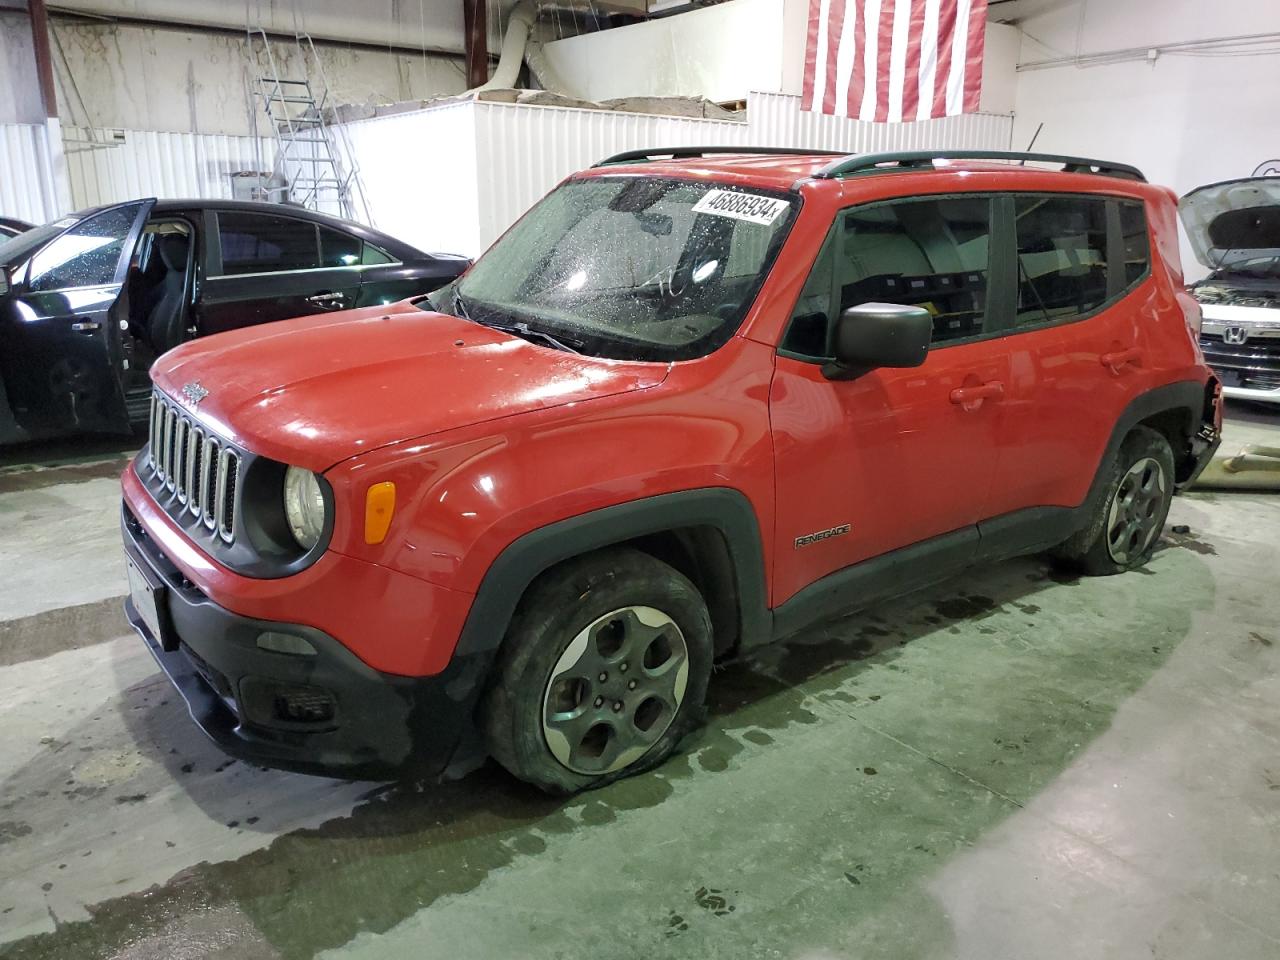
(148, 596)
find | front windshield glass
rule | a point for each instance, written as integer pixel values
(629, 267)
(1249, 264)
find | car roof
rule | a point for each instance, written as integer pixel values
(786, 169)
(394, 246)
(390, 243)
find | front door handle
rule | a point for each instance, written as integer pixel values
(85, 326)
(970, 398)
(328, 300)
(1117, 360)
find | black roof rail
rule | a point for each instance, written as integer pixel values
(679, 153)
(886, 162)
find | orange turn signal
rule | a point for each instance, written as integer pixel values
(379, 505)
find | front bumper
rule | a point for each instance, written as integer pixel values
(1246, 393)
(328, 713)
(1242, 345)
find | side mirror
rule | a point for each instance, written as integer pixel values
(874, 335)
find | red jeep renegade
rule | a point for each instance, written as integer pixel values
(692, 402)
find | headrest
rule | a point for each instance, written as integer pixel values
(172, 248)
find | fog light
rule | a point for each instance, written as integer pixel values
(285, 643)
(303, 705)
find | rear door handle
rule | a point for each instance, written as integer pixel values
(971, 397)
(328, 299)
(85, 326)
(1121, 357)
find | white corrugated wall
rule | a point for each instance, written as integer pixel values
(776, 120)
(418, 172)
(27, 186)
(527, 150)
(109, 166)
(451, 177)
(454, 177)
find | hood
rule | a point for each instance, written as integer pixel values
(317, 390)
(1233, 221)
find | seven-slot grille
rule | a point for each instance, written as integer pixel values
(198, 468)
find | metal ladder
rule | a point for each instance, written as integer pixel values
(309, 150)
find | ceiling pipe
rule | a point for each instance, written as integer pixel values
(519, 26)
(522, 45)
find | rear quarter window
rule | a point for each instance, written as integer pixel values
(1136, 241)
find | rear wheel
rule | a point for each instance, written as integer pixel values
(1128, 518)
(603, 671)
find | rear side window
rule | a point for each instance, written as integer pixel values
(1062, 257)
(931, 253)
(260, 243)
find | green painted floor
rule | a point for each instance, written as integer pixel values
(1013, 765)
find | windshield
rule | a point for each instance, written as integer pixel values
(1247, 263)
(629, 267)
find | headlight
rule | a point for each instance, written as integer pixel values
(304, 506)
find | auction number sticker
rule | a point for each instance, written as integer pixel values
(741, 206)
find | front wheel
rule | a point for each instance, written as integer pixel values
(1127, 520)
(602, 673)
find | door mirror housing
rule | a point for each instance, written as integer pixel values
(874, 335)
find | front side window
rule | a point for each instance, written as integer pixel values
(261, 243)
(1062, 257)
(630, 267)
(87, 255)
(930, 253)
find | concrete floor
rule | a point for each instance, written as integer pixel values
(1013, 765)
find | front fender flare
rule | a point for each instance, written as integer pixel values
(723, 508)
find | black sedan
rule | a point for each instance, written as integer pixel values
(89, 301)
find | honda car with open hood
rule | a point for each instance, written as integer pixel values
(1234, 228)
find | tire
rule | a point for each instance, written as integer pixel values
(1126, 521)
(602, 673)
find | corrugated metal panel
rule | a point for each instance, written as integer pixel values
(526, 150)
(26, 174)
(776, 120)
(454, 177)
(109, 166)
(418, 176)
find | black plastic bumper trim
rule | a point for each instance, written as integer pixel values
(385, 726)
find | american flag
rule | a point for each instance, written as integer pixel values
(890, 60)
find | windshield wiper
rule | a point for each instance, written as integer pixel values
(459, 307)
(522, 329)
(519, 328)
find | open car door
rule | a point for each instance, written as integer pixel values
(62, 320)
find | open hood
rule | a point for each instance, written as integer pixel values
(1233, 221)
(317, 390)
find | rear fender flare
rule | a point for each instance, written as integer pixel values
(1183, 396)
